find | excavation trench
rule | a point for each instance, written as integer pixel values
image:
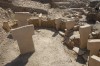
(49, 51)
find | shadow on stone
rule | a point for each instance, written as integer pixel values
(21, 60)
(55, 33)
(10, 36)
(43, 1)
(80, 59)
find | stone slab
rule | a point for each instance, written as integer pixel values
(94, 61)
(84, 35)
(23, 35)
(78, 51)
(94, 46)
(22, 18)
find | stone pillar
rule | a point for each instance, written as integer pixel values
(84, 34)
(58, 22)
(66, 32)
(94, 46)
(23, 35)
(6, 26)
(94, 61)
(40, 18)
(22, 18)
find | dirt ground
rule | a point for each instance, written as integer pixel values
(49, 51)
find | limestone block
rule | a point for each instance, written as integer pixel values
(34, 21)
(51, 23)
(94, 46)
(62, 33)
(70, 24)
(44, 22)
(84, 34)
(22, 18)
(75, 39)
(62, 25)
(70, 43)
(94, 61)
(66, 32)
(78, 51)
(23, 35)
(6, 26)
(58, 22)
(40, 18)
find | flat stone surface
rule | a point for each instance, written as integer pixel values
(70, 23)
(94, 46)
(22, 18)
(78, 51)
(94, 61)
(23, 35)
(84, 35)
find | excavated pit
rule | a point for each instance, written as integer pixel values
(49, 51)
(60, 27)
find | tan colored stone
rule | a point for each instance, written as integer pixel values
(94, 61)
(23, 35)
(22, 18)
(62, 33)
(6, 26)
(78, 51)
(58, 22)
(84, 35)
(40, 18)
(66, 32)
(70, 24)
(75, 35)
(94, 46)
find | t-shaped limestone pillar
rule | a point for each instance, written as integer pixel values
(23, 35)
(94, 46)
(84, 34)
(22, 18)
(94, 61)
